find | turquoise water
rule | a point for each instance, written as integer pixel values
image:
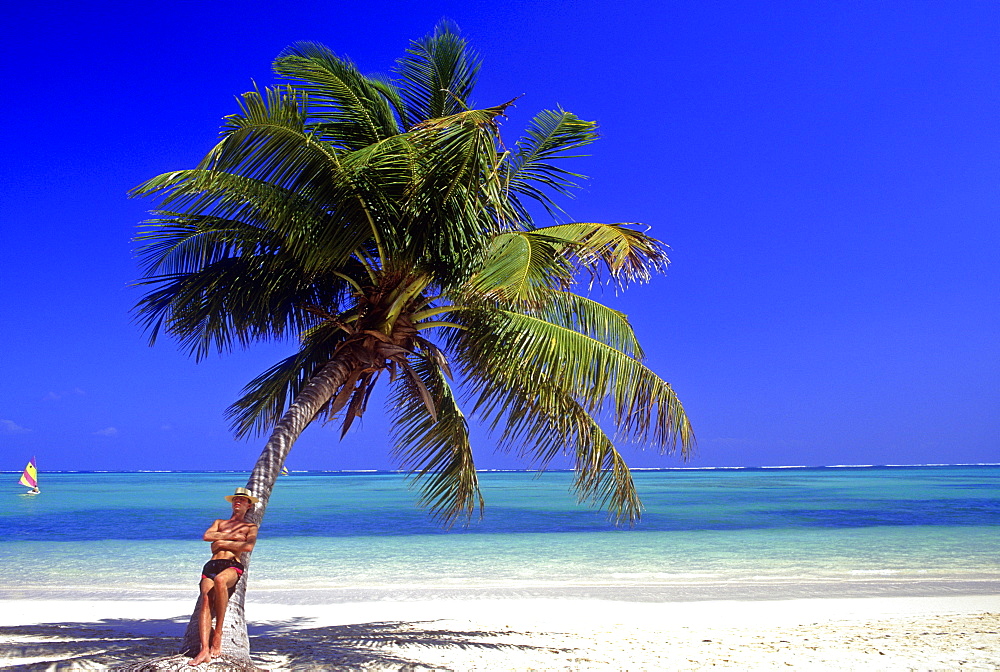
(704, 533)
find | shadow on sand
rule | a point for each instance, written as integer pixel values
(287, 645)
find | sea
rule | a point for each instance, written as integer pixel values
(740, 533)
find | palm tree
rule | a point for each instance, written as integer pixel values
(385, 225)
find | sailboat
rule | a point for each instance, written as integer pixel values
(30, 478)
(284, 470)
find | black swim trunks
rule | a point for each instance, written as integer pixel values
(212, 568)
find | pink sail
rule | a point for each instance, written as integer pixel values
(30, 475)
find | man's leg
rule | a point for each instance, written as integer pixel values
(224, 582)
(207, 588)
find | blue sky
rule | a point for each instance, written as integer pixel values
(826, 174)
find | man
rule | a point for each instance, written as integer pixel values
(230, 539)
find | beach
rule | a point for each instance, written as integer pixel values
(882, 633)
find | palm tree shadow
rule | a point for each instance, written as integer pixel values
(113, 643)
(104, 644)
(368, 645)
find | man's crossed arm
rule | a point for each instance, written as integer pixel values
(239, 540)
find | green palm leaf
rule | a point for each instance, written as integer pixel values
(543, 422)
(345, 108)
(178, 243)
(437, 75)
(551, 135)
(456, 195)
(436, 451)
(527, 350)
(625, 254)
(591, 319)
(267, 169)
(236, 301)
(522, 267)
(540, 419)
(245, 202)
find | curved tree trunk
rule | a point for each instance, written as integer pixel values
(317, 392)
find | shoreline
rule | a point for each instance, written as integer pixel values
(764, 590)
(874, 632)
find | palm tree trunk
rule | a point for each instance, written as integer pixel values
(319, 390)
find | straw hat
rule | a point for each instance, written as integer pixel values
(242, 492)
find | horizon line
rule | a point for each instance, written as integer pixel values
(516, 471)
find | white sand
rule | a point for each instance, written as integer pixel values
(884, 633)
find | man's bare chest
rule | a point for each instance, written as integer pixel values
(234, 527)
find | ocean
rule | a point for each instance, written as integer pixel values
(705, 534)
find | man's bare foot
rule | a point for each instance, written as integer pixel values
(216, 648)
(203, 656)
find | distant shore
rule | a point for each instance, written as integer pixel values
(871, 633)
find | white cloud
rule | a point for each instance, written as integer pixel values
(107, 431)
(56, 396)
(11, 427)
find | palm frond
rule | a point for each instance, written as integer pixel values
(436, 451)
(174, 242)
(456, 201)
(551, 422)
(529, 271)
(625, 254)
(345, 108)
(270, 172)
(387, 87)
(590, 318)
(233, 302)
(437, 75)
(527, 350)
(521, 267)
(539, 419)
(602, 475)
(217, 284)
(270, 210)
(551, 135)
